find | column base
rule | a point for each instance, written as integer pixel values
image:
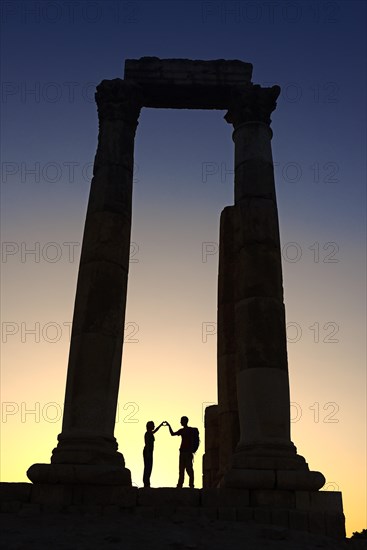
(81, 448)
(92, 474)
(80, 458)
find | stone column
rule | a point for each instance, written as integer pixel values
(211, 455)
(87, 448)
(265, 457)
(228, 424)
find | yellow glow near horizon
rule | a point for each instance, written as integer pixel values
(163, 390)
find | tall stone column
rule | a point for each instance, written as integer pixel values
(228, 424)
(87, 449)
(265, 457)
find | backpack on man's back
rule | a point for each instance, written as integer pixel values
(195, 439)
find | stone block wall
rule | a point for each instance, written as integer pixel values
(314, 512)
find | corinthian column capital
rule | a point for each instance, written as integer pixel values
(119, 100)
(252, 104)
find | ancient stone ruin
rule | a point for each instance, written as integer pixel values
(250, 464)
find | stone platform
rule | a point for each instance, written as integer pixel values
(319, 512)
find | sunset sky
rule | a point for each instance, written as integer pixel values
(53, 56)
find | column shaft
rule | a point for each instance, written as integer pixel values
(228, 423)
(259, 311)
(93, 377)
(265, 451)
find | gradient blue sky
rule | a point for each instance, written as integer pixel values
(316, 52)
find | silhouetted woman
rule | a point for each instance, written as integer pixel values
(148, 451)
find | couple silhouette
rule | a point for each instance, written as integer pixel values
(187, 449)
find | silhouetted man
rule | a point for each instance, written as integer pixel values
(186, 454)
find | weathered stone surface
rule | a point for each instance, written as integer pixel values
(124, 497)
(335, 525)
(226, 340)
(259, 271)
(300, 479)
(238, 478)
(224, 497)
(98, 474)
(303, 501)
(254, 178)
(29, 509)
(253, 143)
(229, 431)
(257, 222)
(209, 513)
(211, 460)
(252, 104)
(272, 499)
(326, 501)
(164, 511)
(280, 517)
(183, 513)
(118, 101)
(153, 69)
(108, 234)
(146, 512)
(52, 494)
(111, 510)
(262, 515)
(100, 301)
(111, 189)
(329, 502)
(10, 507)
(186, 83)
(228, 423)
(275, 507)
(245, 513)
(91, 405)
(316, 522)
(250, 460)
(211, 455)
(263, 419)
(116, 146)
(255, 318)
(170, 497)
(211, 427)
(20, 492)
(227, 513)
(92, 510)
(227, 250)
(298, 520)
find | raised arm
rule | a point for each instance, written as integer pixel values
(157, 428)
(171, 431)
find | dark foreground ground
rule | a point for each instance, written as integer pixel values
(70, 531)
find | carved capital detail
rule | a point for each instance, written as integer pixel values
(252, 104)
(119, 100)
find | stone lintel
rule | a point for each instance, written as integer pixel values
(186, 83)
(217, 71)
